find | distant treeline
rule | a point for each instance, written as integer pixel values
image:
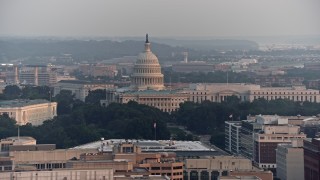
(81, 50)
(93, 50)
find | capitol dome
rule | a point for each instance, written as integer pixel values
(147, 71)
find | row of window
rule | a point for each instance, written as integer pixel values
(148, 70)
(285, 93)
(162, 104)
(294, 98)
(161, 99)
(268, 166)
(278, 138)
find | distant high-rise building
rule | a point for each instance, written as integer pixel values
(32, 75)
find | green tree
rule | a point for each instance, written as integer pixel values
(7, 126)
(36, 92)
(95, 96)
(65, 101)
(12, 92)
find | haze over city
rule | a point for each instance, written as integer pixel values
(160, 89)
(204, 18)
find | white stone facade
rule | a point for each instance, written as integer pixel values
(166, 101)
(29, 111)
(218, 92)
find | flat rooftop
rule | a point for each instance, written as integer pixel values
(151, 145)
(21, 102)
(154, 92)
(81, 82)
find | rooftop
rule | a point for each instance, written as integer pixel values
(21, 102)
(81, 82)
(21, 140)
(152, 92)
(150, 145)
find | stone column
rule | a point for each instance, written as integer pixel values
(189, 174)
(209, 174)
(199, 175)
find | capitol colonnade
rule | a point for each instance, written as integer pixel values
(143, 81)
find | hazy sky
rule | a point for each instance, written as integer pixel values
(159, 17)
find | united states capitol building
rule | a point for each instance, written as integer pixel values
(147, 87)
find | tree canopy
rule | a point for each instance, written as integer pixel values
(82, 122)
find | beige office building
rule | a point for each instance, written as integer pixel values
(290, 160)
(101, 174)
(216, 166)
(29, 111)
(47, 159)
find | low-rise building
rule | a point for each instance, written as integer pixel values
(215, 166)
(103, 174)
(29, 111)
(11, 141)
(80, 89)
(127, 156)
(218, 92)
(182, 149)
(315, 84)
(98, 70)
(269, 81)
(263, 175)
(193, 66)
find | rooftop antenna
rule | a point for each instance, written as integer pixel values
(18, 133)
